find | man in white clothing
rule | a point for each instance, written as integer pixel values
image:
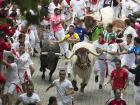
(100, 64)
(79, 7)
(64, 89)
(54, 4)
(129, 30)
(12, 80)
(29, 98)
(24, 61)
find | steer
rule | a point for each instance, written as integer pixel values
(82, 61)
(49, 57)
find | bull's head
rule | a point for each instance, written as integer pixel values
(83, 60)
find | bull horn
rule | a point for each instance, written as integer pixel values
(69, 57)
(44, 53)
(94, 53)
(59, 54)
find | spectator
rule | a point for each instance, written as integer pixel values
(64, 89)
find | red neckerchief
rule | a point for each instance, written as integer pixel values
(112, 42)
(93, 2)
(68, 2)
(102, 42)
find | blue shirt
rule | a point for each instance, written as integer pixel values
(135, 50)
(81, 32)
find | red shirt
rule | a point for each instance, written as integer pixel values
(119, 78)
(117, 102)
(4, 46)
(8, 30)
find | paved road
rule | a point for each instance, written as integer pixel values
(92, 95)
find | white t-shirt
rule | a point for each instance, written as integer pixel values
(111, 48)
(129, 30)
(12, 73)
(52, 7)
(27, 100)
(61, 88)
(98, 45)
(78, 7)
(128, 59)
(24, 61)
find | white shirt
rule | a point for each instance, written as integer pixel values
(130, 58)
(111, 48)
(52, 6)
(24, 61)
(129, 30)
(78, 7)
(98, 45)
(12, 74)
(27, 100)
(61, 88)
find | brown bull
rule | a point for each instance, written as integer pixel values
(82, 61)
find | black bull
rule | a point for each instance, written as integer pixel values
(49, 58)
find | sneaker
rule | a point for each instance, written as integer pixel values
(96, 78)
(100, 86)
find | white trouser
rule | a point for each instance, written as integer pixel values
(32, 40)
(68, 63)
(64, 47)
(99, 69)
(111, 66)
(137, 95)
(113, 95)
(61, 103)
(116, 11)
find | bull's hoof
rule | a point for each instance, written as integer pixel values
(96, 78)
(82, 87)
(50, 80)
(82, 90)
(43, 77)
(41, 69)
(74, 85)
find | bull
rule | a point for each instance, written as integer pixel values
(49, 57)
(82, 60)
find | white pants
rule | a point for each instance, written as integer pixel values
(137, 95)
(9, 88)
(61, 103)
(111, 67)
(116, 11)
(64, 47)
(22, 75)
(99, 69)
